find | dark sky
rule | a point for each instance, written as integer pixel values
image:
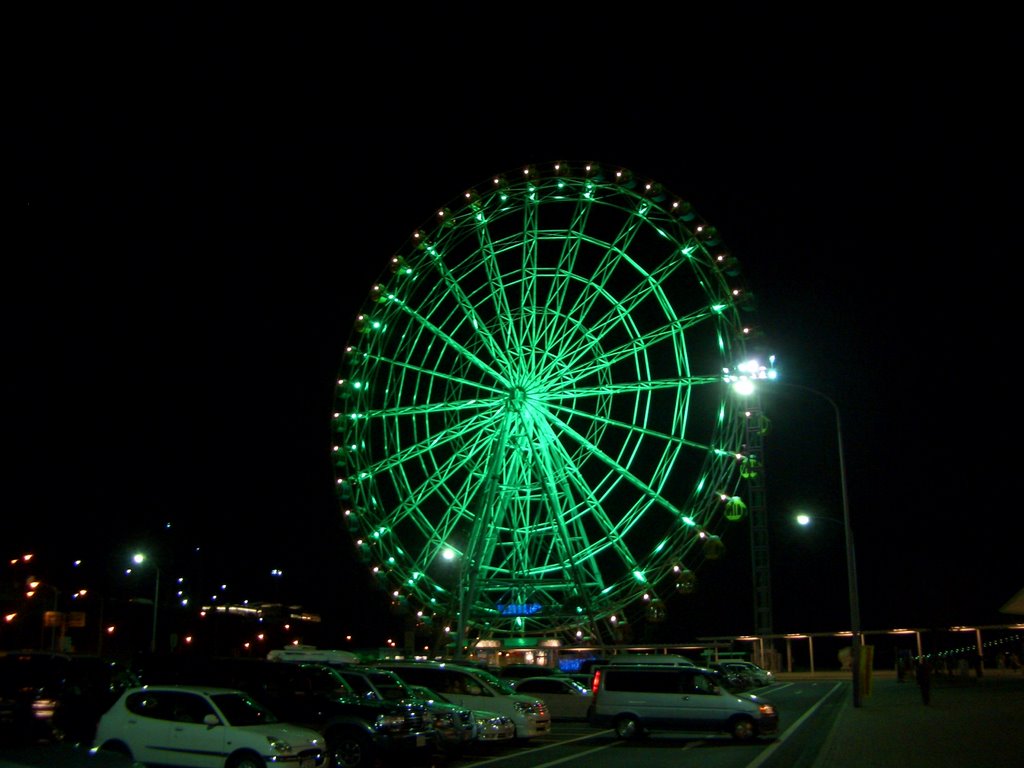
(205, 198)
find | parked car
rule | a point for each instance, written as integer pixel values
(359, 730)
(635, 699)
(477, 689)
(489, 727)
(733, 678)
(453, 725)
(758, 675)
(518, 671)
(566, 699)
(586, 679)
(56, 697)
(204, 728)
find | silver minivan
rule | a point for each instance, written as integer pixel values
(640, 698)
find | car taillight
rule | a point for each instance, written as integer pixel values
(597, 682)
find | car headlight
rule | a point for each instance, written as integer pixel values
(532, 708)
(279, 745)
(767, 709)
(390, 722)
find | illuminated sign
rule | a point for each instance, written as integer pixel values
(519, 609)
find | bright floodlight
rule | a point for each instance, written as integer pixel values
(803, 519)
(748, 372)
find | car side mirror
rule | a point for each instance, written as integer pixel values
(211, 719)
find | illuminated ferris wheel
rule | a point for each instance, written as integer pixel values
(534, 436)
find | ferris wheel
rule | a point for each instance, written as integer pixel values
(533, 432)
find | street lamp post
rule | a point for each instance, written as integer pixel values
(139, 559)
(851, 558)
(743, 382)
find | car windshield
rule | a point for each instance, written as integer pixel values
(326, 680)
(493, 681)
(239, 709)
(426, 693)
(390, 686)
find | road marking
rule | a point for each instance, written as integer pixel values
(584, 737)
(785, 734)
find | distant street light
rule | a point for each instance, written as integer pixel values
(139, 558)
(743, 383)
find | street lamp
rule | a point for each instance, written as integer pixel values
(743, 383)
(139, 558)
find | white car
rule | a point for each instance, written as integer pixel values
(758, 675)
(488, 728)
(201, 727)
(566, 699)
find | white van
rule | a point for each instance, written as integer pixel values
(476, 689)
(638, 698)
(667, 659)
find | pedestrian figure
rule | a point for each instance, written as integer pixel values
(924, 679)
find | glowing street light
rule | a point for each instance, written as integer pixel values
(743, 383)
(139, 558)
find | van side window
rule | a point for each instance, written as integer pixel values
(703, 685)
(643, 680)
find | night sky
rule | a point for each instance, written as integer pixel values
(204, 199)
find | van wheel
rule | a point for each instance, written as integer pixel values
(743, 729)
(627, 727)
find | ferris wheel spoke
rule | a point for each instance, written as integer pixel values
(453, 288)
(605, 268)
(427, 445)
(628, 387)
(527, 283)
(612, 532)
(638, 344)
(573, 542)
(570, 241)
(637, 429)
(458, 348)
(621, 471)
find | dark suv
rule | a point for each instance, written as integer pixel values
(358, 731)
(56, 697)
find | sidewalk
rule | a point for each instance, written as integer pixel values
(971, 721)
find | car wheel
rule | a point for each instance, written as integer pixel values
(246, 760)
(627, 727)
(451, 750)
(743, 729)
(350, 750)
(118, 748)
